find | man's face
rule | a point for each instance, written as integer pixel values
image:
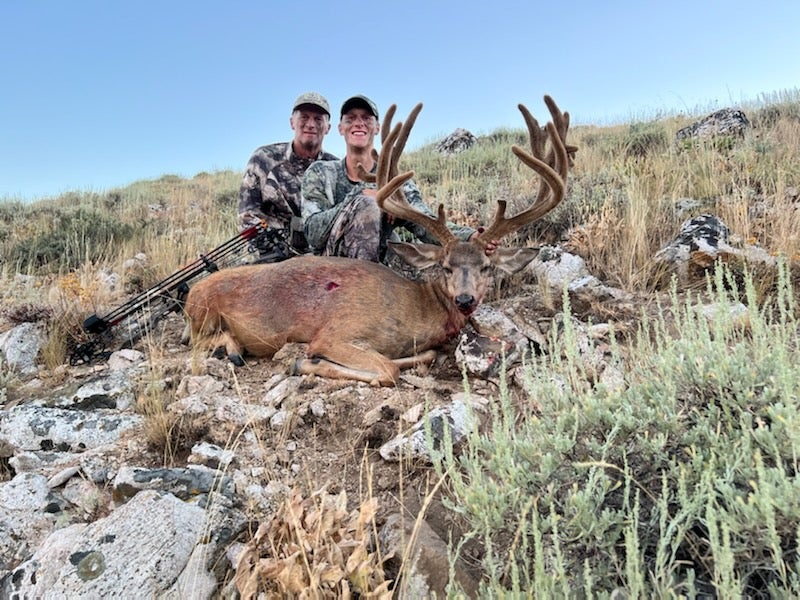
(358, 127)
(310, 125)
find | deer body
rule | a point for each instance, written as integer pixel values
(360, 319)
(352, 313)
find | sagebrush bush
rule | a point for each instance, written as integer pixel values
(645, 139)
(74, 236)
(682, 482)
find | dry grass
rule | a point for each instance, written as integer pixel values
(313, 547)
(619, 211)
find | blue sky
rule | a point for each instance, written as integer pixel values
(99, 94)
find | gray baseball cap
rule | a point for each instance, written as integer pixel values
(314, 99)
(359, 101)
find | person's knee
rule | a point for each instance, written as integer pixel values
(366, 206)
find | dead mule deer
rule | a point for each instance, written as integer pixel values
(360, 319)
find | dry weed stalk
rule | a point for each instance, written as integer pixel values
(314, 548)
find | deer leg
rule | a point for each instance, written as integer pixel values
(348, 362)
(221, 343)
(326, 368)
(408, 362)
(232, 349)
(186, 336)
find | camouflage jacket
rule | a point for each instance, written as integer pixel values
(326, 188)
(270, 189)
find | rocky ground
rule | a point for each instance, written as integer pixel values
(161, 472)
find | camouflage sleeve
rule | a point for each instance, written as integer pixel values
(414, 198)
(274, 199)
(262, 198)
(250, 205)
(319, 203)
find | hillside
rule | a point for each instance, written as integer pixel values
(643, 439)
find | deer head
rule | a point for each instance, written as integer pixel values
(467, 259)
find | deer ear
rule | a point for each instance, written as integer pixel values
(511, 260)
(420, 256)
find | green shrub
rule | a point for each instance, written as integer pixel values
(683, 483)
(644, 139)
(72, 237)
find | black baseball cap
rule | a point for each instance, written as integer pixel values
(359, 101)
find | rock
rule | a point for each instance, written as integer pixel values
(184, 483)
(495, 341)
(729, 122)
(701, 241)
(125, 359)
(491, 322)
(284, 387)
(194, 385)
(428, 571)
(19, 348)
(26, 427)
(24, 523)
(427, 437)
(486, 356)
(557, 268)
(141, 550)
(735, 316)
(195, 580)
(211, 456)
(224, 408)
(111, 389)
(456, 142)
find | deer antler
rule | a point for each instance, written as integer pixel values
(552, 167)
(363, 174)
(390, 197)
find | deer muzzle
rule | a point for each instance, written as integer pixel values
(466, 303)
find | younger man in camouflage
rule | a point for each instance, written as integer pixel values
(270, 189)
(340, 213)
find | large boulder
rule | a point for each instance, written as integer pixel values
(456, 142)
(728, 123)
(701, 242)
(145, 549)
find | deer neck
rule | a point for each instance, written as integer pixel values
(452, 318)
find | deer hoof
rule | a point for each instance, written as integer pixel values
(236, 359)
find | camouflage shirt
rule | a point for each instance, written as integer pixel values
(270, 189)
(326, 188)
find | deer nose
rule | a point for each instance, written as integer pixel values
(464, 301)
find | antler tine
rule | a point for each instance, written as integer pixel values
(387, 122)
(363, 174)
(538, 140)
(402, 138)
(552, 166)
(390, 197)
(561, 121)
(386, 127)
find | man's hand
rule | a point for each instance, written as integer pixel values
(491, 245)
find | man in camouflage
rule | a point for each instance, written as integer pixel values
(270, 189)
(340, 213)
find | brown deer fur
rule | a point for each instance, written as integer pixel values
(360, 319)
